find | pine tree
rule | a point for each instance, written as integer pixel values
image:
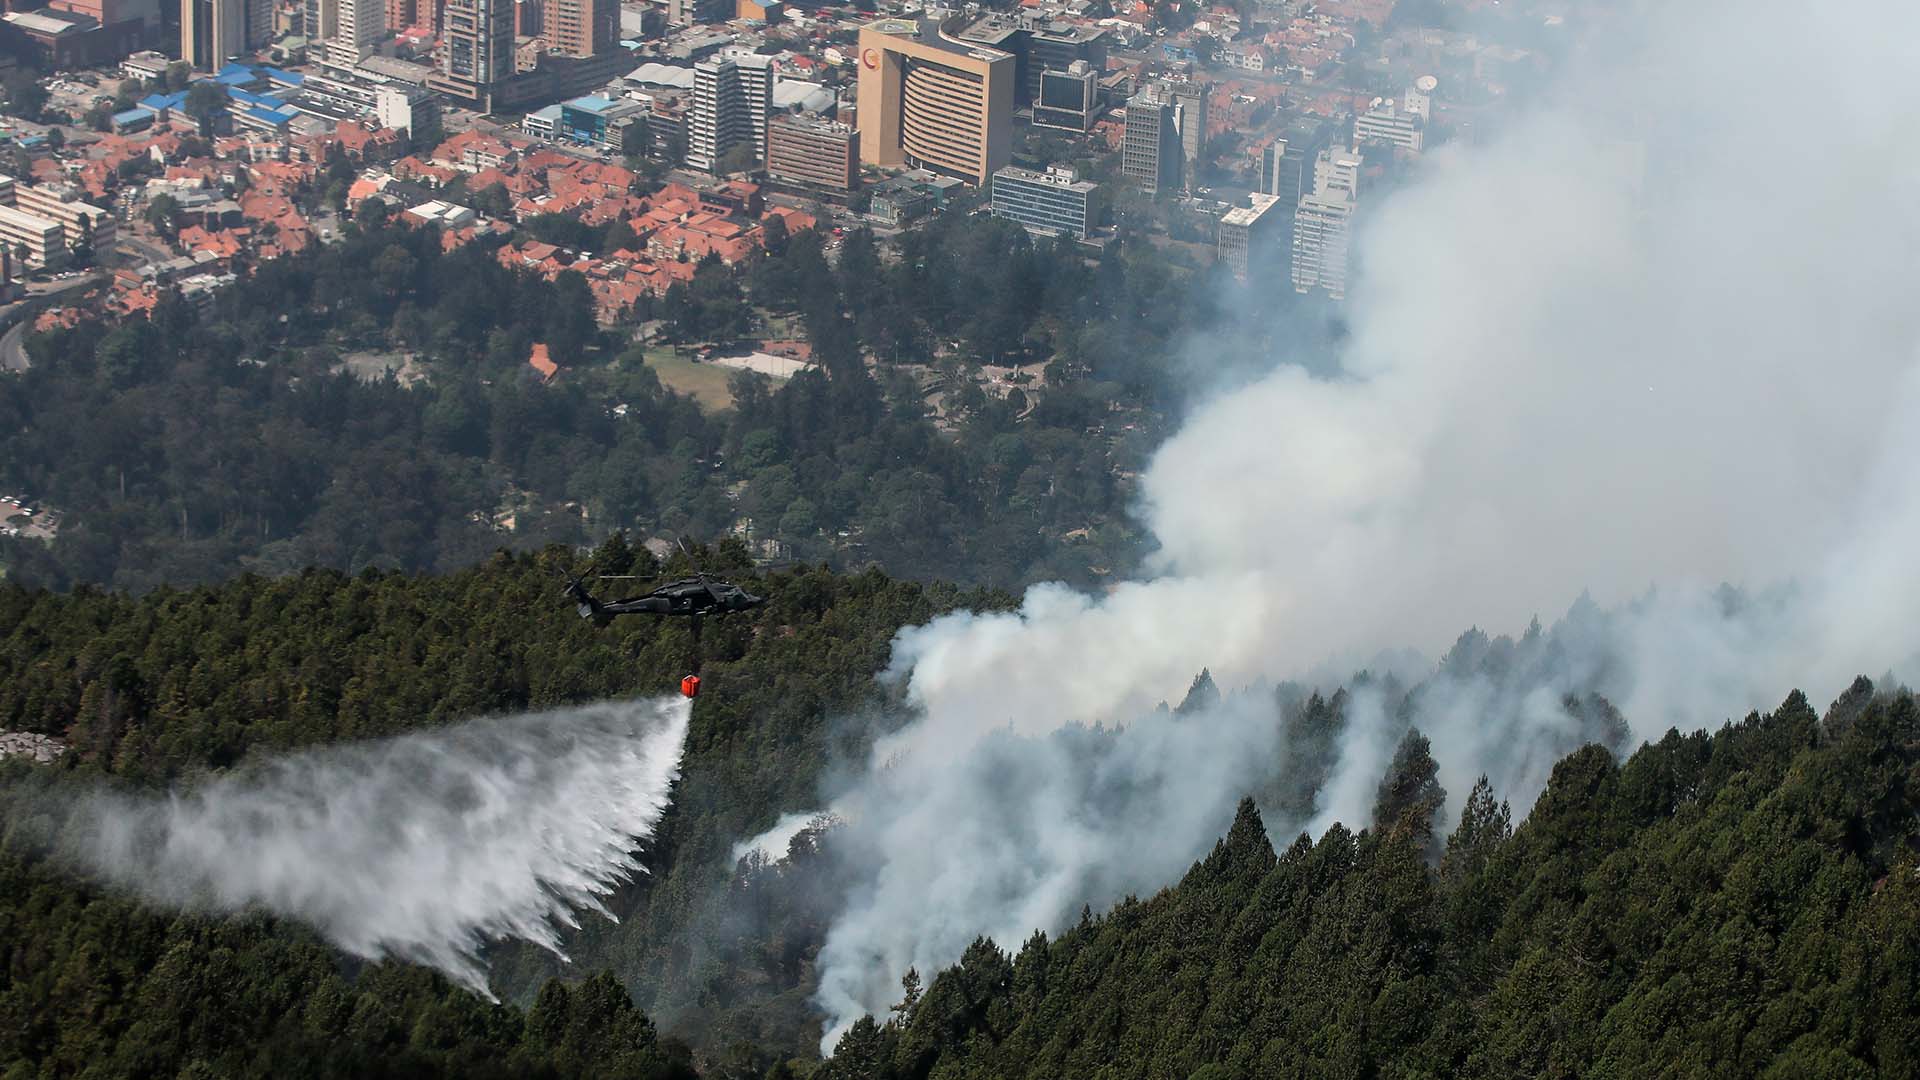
(1244, 854)
(910, 995)
(1201, 696)
(1484, 826)
(614, 556)
(1410, 796)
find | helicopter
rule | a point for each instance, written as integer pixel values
(692, 597)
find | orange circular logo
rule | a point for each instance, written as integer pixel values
(871, 58)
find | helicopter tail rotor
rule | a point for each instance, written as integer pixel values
(588, 605)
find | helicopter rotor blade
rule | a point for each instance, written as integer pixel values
(699, 571)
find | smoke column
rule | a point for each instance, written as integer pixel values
(423, 847)
(1655, 334)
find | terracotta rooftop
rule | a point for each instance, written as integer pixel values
(543, 363)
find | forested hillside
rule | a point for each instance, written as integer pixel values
(97, 985)
(210, 441)
(156, 688)
(1740, 904)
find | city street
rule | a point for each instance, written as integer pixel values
(13, 353)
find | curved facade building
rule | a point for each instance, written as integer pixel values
(929, 100)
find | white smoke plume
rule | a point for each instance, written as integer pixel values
(1656, 334)
(423, 847)
(1366, 748)
(773, 844)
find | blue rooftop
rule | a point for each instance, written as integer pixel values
(248, 97)
(551, 112)
(285, 78)
(132, 116)
(591, 104)
(272, 116)
(159, 102)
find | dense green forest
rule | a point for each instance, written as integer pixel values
(96, 985)
(207, 442)
(157, 688)
(1739, 903)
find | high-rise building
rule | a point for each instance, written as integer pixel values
(756, 85)
(1286, 166)
(42, 241)
(731, 99)
(1249, 234)
(714, 120)
(258, 32)
(1150, 150)
(1192, 97)
(581, 28)
(1388, 122)
(1399, 123)
(930, 100)
(477, 50)
(402, 13)
(211, 31)
(1286, 172)
(1323, 222)
(404, 108)
(1068, 99)
(1057, 46)
(1037, 44)
(215, 31)
(1337, 168)
(690, 12)
(667, 132)
(357, 28)
(1418, 100)
(49, 221)
(813, 152)
(62, 203)
(1056, 201)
